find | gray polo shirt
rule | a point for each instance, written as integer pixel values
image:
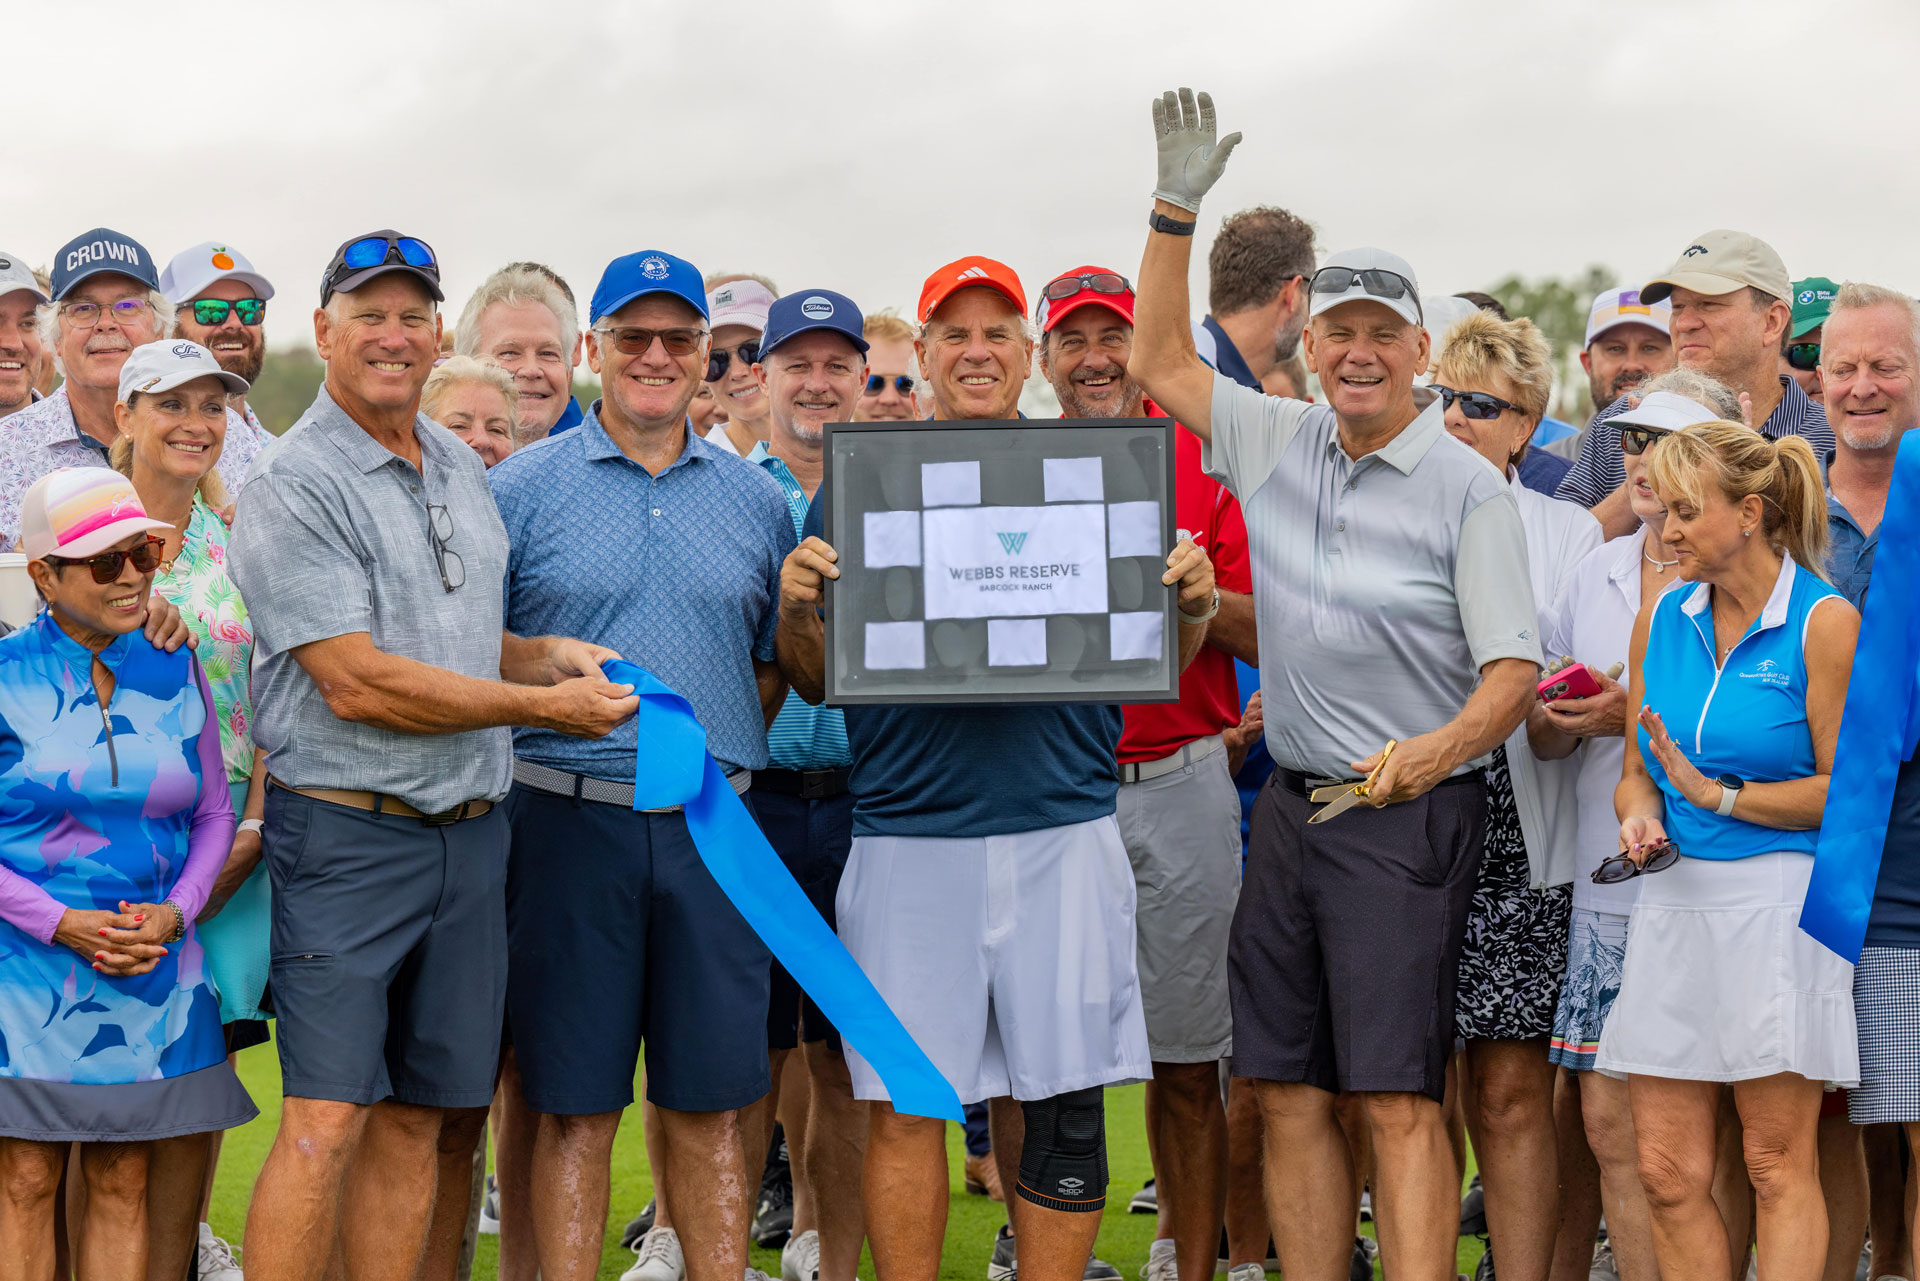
(1381, 585)
(331, 538)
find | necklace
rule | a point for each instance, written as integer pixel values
(180, 528)
(1659, 566)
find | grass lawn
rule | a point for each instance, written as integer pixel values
(971, 1220)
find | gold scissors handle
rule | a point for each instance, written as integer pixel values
(1341, 797)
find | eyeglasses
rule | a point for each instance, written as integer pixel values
(214, 311)
(1477, 405)
(902, 383)
(106, 566)
(85, 315)
(635, 341)
(453, 570)
(1620, 868)
(720, 358)
(1099, 282)
(1635, 439)
(373, 251)
(1804, 356)
(1381, 284)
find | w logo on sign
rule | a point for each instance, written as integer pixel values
(1012, 543)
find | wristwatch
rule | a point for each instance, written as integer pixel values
(1730, 785)
(1195, 620)
(255, 825)
(1158, 221)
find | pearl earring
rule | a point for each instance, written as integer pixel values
(1747, 532)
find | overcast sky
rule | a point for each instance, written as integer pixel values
(857, 144)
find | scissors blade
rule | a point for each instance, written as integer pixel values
(1332, 791)
(1346, 800)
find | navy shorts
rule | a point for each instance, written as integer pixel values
(389, 952)
(619, 936)
(813, 838)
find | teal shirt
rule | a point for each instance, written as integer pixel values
(802, 736)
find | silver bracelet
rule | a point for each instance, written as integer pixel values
(1194, 620)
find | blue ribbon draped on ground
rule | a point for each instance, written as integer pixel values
(672, 767)
(1878, 729)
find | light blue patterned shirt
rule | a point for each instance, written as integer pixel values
(679, 572)
(802, 736)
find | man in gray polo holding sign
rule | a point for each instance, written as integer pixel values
(1397, 648)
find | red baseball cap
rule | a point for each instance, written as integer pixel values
(965, 273)
(1054, 310)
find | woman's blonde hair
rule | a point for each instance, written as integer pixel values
(455, 370)
(211, 488)
(1741, 463)
(1482, 343)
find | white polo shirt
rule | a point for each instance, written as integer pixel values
(1381, 585)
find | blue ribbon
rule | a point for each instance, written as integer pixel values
(672, 767)
(1878, 729)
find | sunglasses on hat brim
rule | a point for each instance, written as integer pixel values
(1375, 281)
(379, 251)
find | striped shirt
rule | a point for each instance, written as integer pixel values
(1600, 470)
(802, 736)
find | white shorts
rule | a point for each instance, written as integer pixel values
(1010, 959)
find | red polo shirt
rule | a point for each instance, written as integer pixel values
(1209, 690)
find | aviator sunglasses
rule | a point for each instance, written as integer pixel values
(1620, 868)
(1477, 405)
(902, 383)
(720, 357)
(1636, 440)
(106, 566)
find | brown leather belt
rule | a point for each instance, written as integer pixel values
(379, 803)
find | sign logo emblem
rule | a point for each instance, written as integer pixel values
(222, 259)
(653, 267)
(1012, 543)
(1694, 249)
(185, 350)
(817, 308)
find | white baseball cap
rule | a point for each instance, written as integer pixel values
(739, 302)
(1615, 307)
(1440, 313)
(192, 270)
(161, 366)
(1326, 299)
(1664, 411)
(16, 275)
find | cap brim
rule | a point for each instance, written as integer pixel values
(252, 280)
(1019, 305)
(1621, 322)
(33, 289)
(1803, 327)
(648, 292)
(103, 269)
(1701, 282)
(746, 318)
(1084, 298)
(234, 383)
(1406, 305)
(96, 541)
(859, 343)
(362, 276)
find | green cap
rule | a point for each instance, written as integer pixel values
(1812, 300)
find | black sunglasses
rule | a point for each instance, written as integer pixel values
(106, 566)
(634, 341)
(1099, 282)
(1381, 284)
(214, 311)
(453, 570)
(720, 357)
(902, 383)
(1477, 405)
(1620, 868)
(1635, 439)
(1804, 356)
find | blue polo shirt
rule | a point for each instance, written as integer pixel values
(802, 736)
(981, 769)
(1849, 551)
(679, 572)
(570, 417)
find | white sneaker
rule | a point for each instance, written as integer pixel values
(800, 1257)
(755, 1274)
(1162, 1264)
(657, 1258)
(490, 1210)
(218, 1262)
(1247, 1272)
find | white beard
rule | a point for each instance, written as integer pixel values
(1867, 440)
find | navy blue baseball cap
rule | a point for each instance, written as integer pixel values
(808, 309)
(648, 272)
(97, 251)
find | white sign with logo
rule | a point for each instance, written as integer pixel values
(1011, 562)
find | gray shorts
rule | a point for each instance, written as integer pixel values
(389, 965)
(1182, 833)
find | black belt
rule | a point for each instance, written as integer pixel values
(1302, 785)
(807, 784)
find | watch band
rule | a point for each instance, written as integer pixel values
(1728, 795)
(255, 825)
(1158, 221)
(1194, 620)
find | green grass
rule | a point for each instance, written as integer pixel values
(971, 1221)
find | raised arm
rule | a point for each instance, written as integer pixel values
(1164, 360)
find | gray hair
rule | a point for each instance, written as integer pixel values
(1854, 296)
(456, 370)
(719, 278)
(47, 317)
(517, 285)
(1701, 388)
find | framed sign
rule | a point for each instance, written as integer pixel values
(1001, 562)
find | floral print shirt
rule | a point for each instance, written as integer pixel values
(199, 587)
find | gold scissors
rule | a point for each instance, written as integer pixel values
(1341, 797)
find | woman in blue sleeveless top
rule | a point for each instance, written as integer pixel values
(115, 819)
(1738, 686)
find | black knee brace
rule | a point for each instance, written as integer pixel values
(1063, 1162)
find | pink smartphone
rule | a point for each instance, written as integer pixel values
(1568, 682)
